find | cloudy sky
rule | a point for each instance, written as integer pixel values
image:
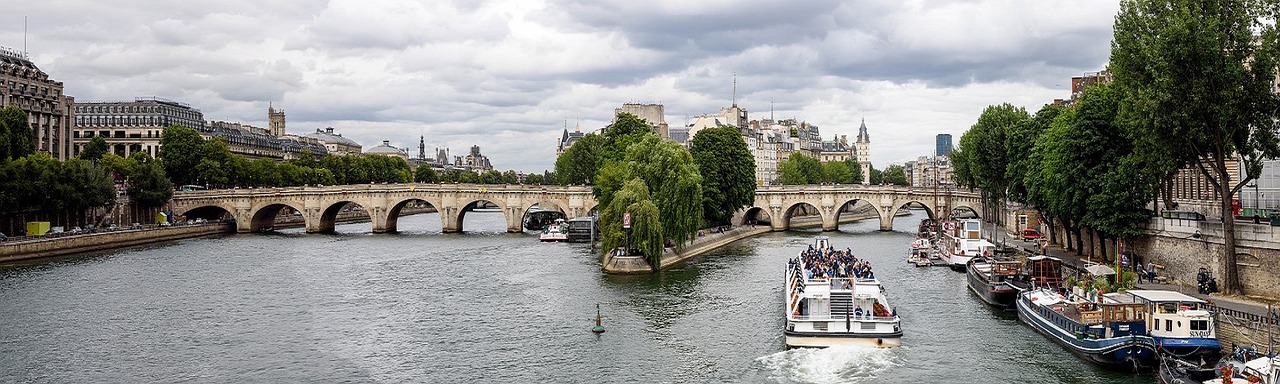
(509, 75)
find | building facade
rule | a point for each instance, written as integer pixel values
(132, 126)
(50, 113)
(386, 149)
(942, 145)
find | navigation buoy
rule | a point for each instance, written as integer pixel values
(598, 328)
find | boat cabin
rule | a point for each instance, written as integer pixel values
(1174, 318)
(1044, 271)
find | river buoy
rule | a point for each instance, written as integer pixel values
(598, 328)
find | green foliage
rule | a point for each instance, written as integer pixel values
(984, 153)
(579, 164)
(181, 148)
(534, 179)
(799, 169)
(895, 174)
(877, 176)
(16, 137)
(669, 174)
(646, 231)
(95, 149)
(837, 172)
(148, 185)
(424, 174)
(855, 171)
(625, 130)
(728, 172)
(1196, 79)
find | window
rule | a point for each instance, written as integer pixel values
(1199, 325)
(1168, 325)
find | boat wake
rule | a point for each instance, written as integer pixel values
(838, 364)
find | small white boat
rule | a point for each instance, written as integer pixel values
(920, 253)
(847, 308)
(558, 231)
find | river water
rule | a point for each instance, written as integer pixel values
(484, 306)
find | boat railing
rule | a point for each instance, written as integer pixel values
(840, 317)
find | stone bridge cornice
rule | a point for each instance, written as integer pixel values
(781, 202)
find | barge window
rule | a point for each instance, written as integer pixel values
(1199, 325)
(1157, 322)
(1168, 325)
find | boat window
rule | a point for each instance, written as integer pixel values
(1168, 325)
(1168, 308)
(1157, 324)
(1199, 325)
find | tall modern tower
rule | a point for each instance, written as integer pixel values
(943, 145)
(864, 152)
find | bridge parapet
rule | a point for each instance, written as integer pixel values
(255, 208)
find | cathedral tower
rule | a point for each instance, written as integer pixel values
(864, 152)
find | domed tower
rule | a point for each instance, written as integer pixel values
(864, 152)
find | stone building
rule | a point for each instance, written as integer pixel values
(651, 113)
(567, 139)
(334, 143)
(863, 152)
(132, 126)
(474, 161)
(386, 149)
(837, 149)
(50, 113)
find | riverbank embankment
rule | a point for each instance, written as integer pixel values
(107, 240)
(711, 241)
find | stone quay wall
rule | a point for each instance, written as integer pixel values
(100, 241)
(1184, 246)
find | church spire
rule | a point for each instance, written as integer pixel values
(735, 89)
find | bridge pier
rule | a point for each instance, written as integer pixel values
(449, 220)
(515, 219)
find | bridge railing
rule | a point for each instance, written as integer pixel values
(384, 187)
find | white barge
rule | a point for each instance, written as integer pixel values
(833, 298)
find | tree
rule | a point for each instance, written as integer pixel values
(728, 172)
(181, 150)
(95, 149)
(579, 164)
(799, 169)
(877, 176)
(646, 231)
(1196, 77)
(424, 174)
(671, 177)
(985, 154)
(148, 185)
(895, 174)
(16, 138)
(836, 172)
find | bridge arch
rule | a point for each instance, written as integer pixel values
(473, 204)
(328, 219)
(208, 212)
(389, 224)
(263, 217)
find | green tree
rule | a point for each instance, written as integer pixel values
(1026, 170)
(837, 172)
(181, 150)
(625, 130)
(148, 185)
(424, 174)
(670, 175)
(877, 176)
(728, 172)
(579, 164)
(534, 179)
(799, 169)
(16, 137)
(95, 149)
(1197, 78)
(895, 174)
(985, 154)
(646, 233)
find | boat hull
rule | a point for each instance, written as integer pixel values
(1128, 352)
(803, 340)
(998, 295)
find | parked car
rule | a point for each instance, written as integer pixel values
(1030, 234)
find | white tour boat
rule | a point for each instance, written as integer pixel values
(834, 298)
(961, 241)
(558, 231)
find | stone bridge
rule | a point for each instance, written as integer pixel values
(779, 204)
(256, 209)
